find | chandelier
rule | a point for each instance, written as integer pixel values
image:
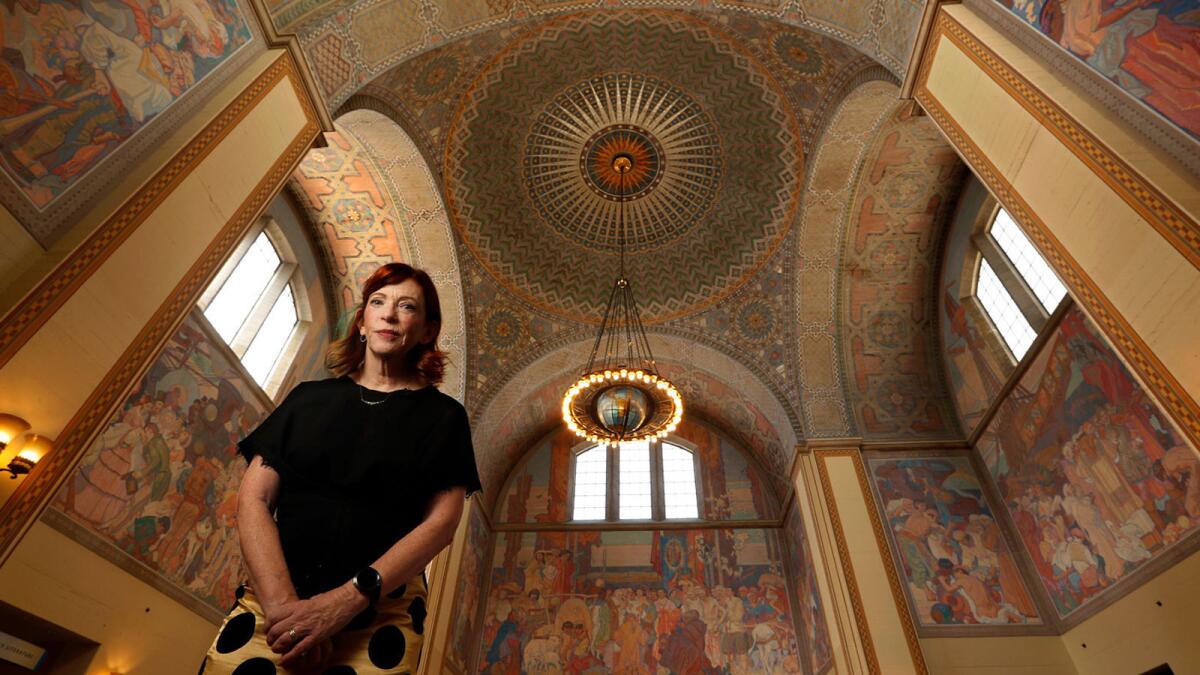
(621, 396)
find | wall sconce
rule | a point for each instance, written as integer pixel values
(11, 427)
(33, 447)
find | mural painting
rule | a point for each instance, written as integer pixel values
(959, 568)
(1097, 479)
(810, 614)
(663, 601)
(1150, 49)
(82, 76)
(159, 485)
(732, 487)
(975, 369)
(472, 573)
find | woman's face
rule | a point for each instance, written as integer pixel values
(394, 319)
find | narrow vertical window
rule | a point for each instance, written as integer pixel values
(1003, 312)
(634, 485)
(679, 482)
(270, 340)
(591, 484)
(232, 304)
(1030, 264)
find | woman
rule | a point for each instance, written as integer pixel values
(365, 474)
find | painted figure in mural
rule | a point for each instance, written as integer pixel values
(959, 569)
(1097, 480)
(629, 617)
(144, 486)
(1125, 41)
(335, 552)
(77, 78)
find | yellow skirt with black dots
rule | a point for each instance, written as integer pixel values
(383, 640)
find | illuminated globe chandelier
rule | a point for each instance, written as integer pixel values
(621, 396)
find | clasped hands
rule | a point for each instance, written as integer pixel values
(300, 630)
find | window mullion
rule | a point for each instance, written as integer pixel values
(658, 509)
(254, 321)
(614, 483)
(1027, 301)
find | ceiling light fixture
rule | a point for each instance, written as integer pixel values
(621, 396)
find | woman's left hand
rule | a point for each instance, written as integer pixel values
(313, 621)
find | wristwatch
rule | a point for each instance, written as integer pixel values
(369, 583)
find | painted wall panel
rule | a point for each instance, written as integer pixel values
(636, 601)
(953, 556)
(1096, 477)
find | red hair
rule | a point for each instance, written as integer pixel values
(347, 354)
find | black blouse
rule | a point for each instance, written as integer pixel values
(355, 478)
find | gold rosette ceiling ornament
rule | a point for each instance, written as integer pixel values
(621, 396)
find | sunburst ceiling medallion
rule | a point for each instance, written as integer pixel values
(716, 151)
(675, 150)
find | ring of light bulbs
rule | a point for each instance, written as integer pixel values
(664, 415)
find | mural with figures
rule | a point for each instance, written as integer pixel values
(732, 487)
(1097, 480)
(959, 569)
(157, 489)
(1149, 48)
(975, 369)
(810, 614)
(675, 601)
(471, 577)
(82, 76)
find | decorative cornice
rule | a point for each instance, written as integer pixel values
(1166, 136)
(31, 498)
(1177, 227)
(291, 43)
(1133, 349)
(24, 320)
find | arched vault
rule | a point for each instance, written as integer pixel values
(715, 386)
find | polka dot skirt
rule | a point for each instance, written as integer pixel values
(382, 640)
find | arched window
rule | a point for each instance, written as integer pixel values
(1014, 284)
(641, 480)
(257, 306)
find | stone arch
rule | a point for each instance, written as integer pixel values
(349, 43)
(721, 390)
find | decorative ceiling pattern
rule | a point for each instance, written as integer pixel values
(906, 192)
(350, 42)
(670, 145)
(816, 254)
(519, 123)
(733, 134)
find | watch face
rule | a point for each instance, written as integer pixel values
(368, 581)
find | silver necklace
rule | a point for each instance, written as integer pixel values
(362, 390)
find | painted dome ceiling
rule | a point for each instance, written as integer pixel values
(715, 147)
(739, 241)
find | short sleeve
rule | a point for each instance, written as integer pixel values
(455, 458)
(270, 437)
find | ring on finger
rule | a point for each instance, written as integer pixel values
(292, 634)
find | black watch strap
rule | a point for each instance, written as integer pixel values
(369, 583)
